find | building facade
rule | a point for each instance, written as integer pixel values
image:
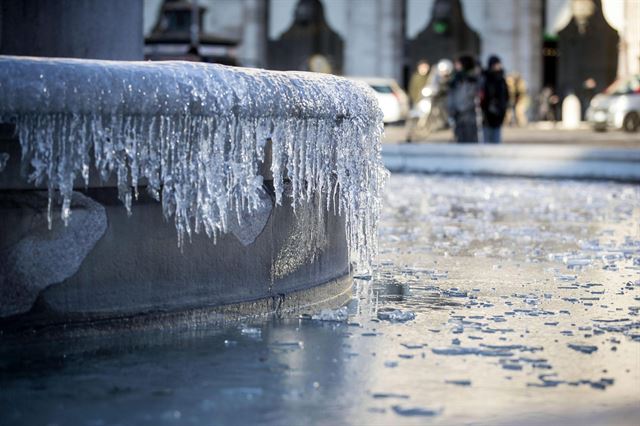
(379, 37)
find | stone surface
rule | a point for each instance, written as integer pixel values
(249, 224)
(32, 257)
(137, 266)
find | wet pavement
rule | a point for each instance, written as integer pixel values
(495, 300)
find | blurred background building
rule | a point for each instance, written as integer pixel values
(179, 33)
(572, 46)
(566, 46)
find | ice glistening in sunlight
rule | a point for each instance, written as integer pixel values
(195, 135)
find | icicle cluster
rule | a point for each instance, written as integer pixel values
(195, 134)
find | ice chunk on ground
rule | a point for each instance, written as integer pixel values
(585, 349)
(414, 411)
(389, 395)
(396, 315)
(252, 332)
(460, 350)
(462, 382)
(337, 315)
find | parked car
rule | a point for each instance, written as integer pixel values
(393, 101)
(618, 107)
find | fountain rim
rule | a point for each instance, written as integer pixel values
(117, 87)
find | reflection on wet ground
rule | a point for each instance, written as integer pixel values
(494, 301)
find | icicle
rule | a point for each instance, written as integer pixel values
(195, 135)
(4, 159)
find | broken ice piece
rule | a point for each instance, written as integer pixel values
(585, 349)
(253, 332)
(416, 411)
(337, 315)
(459, 382)
(396, 315)
(565, 277)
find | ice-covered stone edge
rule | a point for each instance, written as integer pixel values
(195, 135)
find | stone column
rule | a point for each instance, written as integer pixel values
(361, 41)
(94, 29)
(530, 45)
(513, 31)
(391, 44)
(374, 42)
(253, 50)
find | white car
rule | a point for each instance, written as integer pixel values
(393, 101)
(618, 107)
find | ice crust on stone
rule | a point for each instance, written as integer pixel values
(196, 136)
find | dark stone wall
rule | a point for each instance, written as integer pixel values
(93, 29)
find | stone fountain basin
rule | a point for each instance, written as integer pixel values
(280, 172)
(108, 265)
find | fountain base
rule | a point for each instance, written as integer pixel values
(107, 268)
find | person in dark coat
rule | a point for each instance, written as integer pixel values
(494, 100)
(463, 100)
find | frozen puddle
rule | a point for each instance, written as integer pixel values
(521, 293)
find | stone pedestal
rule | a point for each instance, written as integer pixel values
(571, 112)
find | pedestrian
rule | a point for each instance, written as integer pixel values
(418, 81)
(548, 103)
(523, 101)
(519, 101)
(430, 113)
(463, 101)
(439, 88)
(494, 100)
(586, 93)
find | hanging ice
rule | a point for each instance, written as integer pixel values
(194, 134)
